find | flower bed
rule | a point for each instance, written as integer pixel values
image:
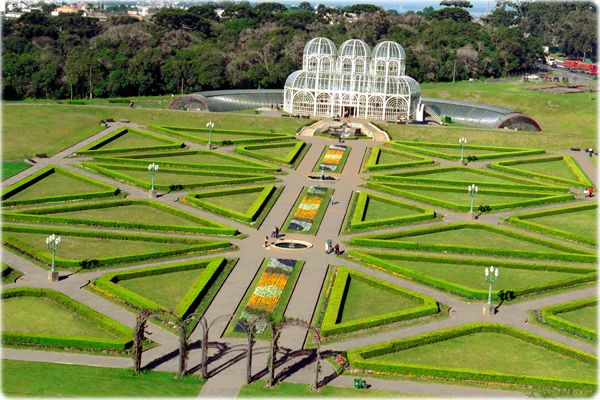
(308, 210)
(333, 159)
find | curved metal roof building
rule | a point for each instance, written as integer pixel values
(475, 114)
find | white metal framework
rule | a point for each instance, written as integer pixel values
(352, 81)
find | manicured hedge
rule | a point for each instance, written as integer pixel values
(521, 221)
(435, 198)
(297, 149)
(180, 132)
(249, 216)
(372, 162)
(582, 179)
(330, 325)
(145, 158)
(388, 240)
(44, 216)
(104, 189)
(123, 334)
(96, 147)
(188, 246)
(212, 268)
(497, 151)
(112, 170)
(359, 358)
(380, 261)
(361, 203)
(551, 316)
(422, 176)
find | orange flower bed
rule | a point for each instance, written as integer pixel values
(305, 214)
(263, 303)
(278, 280)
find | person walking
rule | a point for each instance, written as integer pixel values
(266, 241)
(276, 232)
(336, 249)
(331, 200)
(328, 246)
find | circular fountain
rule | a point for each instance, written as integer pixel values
(292, 245)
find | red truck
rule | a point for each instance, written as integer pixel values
(571, 65)
(590, 68)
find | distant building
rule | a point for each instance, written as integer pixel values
(64, 10)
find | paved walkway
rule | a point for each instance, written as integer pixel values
(226, 355)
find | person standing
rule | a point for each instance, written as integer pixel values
(331, 200)
(266, 242)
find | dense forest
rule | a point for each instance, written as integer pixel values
(250, 46)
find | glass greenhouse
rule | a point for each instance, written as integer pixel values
(352, 81)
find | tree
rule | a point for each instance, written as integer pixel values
(305, 6)
(456, 3)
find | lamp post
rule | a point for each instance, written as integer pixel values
(473, 189)
(491, 276)
(52, 242)
(152, 170)
(210, 125)
(462, 141)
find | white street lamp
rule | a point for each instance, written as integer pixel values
(210, 125)
(462, 141)
(52, 242)
(473, 189)
(152, 170)
(491, 276)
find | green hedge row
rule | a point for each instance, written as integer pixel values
(388, 240)
(414, 177)
(359, 358)
(330, 325)
(144, 159)
(188, 246)
(582, 179)
(372, 162)
(497, 151)
(236, 178)
(550, 315)
(397, 189)
(521, 221)
(40, 215)
(109, 283)
(123, 334)
(296, 148)
(249, 216)
(180, 132)
(380, 260)
(96, 147)
(107, 190)
(362, 203)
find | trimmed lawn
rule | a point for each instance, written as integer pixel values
(387, 157)
(11, 168)
(134, 213)
(165, 289)
(364, 300)
(377, 209)
(31, 129)
(168, 178)
(582, 223)
(55, 184)
(499, 356)
(131, 141)
(198, 158)
(462, 196)
(79, 247)
(556, 168)
(585, 316)
(462, 175)
(239, 202)
(26, 378)
(472, 275)
(287, 389)
(42, 315)
(275, 152)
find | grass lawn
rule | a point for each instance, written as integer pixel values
(582, 222)
(50, 318)
(239, 202)
(585, 316)
(362, 299)
(561, 128)
(55, 184)
(556, 168)
(499, 356)
(31, 129)
(459, 174)
(130, 140)
(26, 378)
(286, 389)
(134, 213)
(377, 209)
(461, 197)
(471, 275)
(9, 274)
(165, 289)
(11, 168)
(388, 157)
(282, 151)
(79, 247)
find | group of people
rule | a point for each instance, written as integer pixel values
(329, 248)
(274, 234)
(588, 192)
